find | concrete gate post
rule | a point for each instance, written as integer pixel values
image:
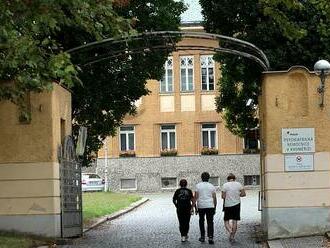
(29, 167)
(295, 156)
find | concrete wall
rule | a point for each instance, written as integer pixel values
(187, 110)
(149, 171)
(294, 203)
(29, 169)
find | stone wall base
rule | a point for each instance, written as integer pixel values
(295, 222)
(149, 172)
(41, 225)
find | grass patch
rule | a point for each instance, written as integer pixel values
(97, 204)
(17, 240)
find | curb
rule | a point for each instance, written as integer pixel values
(274, 244)
(117, 214)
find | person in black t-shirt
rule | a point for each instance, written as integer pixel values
(184, 201)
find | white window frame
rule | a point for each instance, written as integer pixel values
(209, 129)
(204, 63)
(126, 132)
(186, 67)
(167, 131)
(167, 66)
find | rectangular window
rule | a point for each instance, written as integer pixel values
(128, 184)
(209, 135)
(167, 137)
(166, 83)
(127, 138)
(252, 180)
(214, 181)
(207, 72)
(187, 73)
(169, 182)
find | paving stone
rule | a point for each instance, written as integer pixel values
(155, 224)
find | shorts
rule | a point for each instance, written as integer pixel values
(232, 213)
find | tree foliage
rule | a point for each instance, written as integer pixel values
(34, 36)
(290, 32)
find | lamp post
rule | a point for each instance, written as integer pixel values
(106, 182)
(322, 69)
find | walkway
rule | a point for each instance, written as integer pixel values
(155, 225)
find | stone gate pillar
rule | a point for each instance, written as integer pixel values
(295, 155)
(29, 167)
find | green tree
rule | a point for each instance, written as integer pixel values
(35, 35)
(290, 32)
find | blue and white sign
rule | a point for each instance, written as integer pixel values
(298, 140)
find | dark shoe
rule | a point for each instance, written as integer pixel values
(201, 239)
(211, 242)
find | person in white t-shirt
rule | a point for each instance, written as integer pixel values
(232, 192)
(205, 196)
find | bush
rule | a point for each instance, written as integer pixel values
(209, 151)
(168, 152)
(127, 154)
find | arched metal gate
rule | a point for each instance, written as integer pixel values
(71, 197)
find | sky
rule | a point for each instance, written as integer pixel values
(193, 13)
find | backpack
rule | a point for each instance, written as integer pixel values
(184, 199)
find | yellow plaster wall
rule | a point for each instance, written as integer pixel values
(37, 141)
(30, 206)
(290, 100)
(208, 102)
(166, 103)
(187, 103)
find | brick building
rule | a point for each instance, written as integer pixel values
(177, 118)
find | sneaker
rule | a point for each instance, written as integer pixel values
(183, 239)
(211, 242)
(187, 237)
(201, 239)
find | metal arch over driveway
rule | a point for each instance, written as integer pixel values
(99, 51)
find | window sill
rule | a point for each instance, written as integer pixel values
(166, 93)
(208, 92)
(127, 154)
(187, 92)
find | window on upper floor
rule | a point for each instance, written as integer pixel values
(209, 135)
(127, 138)
(207, 72)
(251, 141)
(166, 83)
(167, 137)
(187, 73)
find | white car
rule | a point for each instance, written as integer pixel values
(91, 182)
